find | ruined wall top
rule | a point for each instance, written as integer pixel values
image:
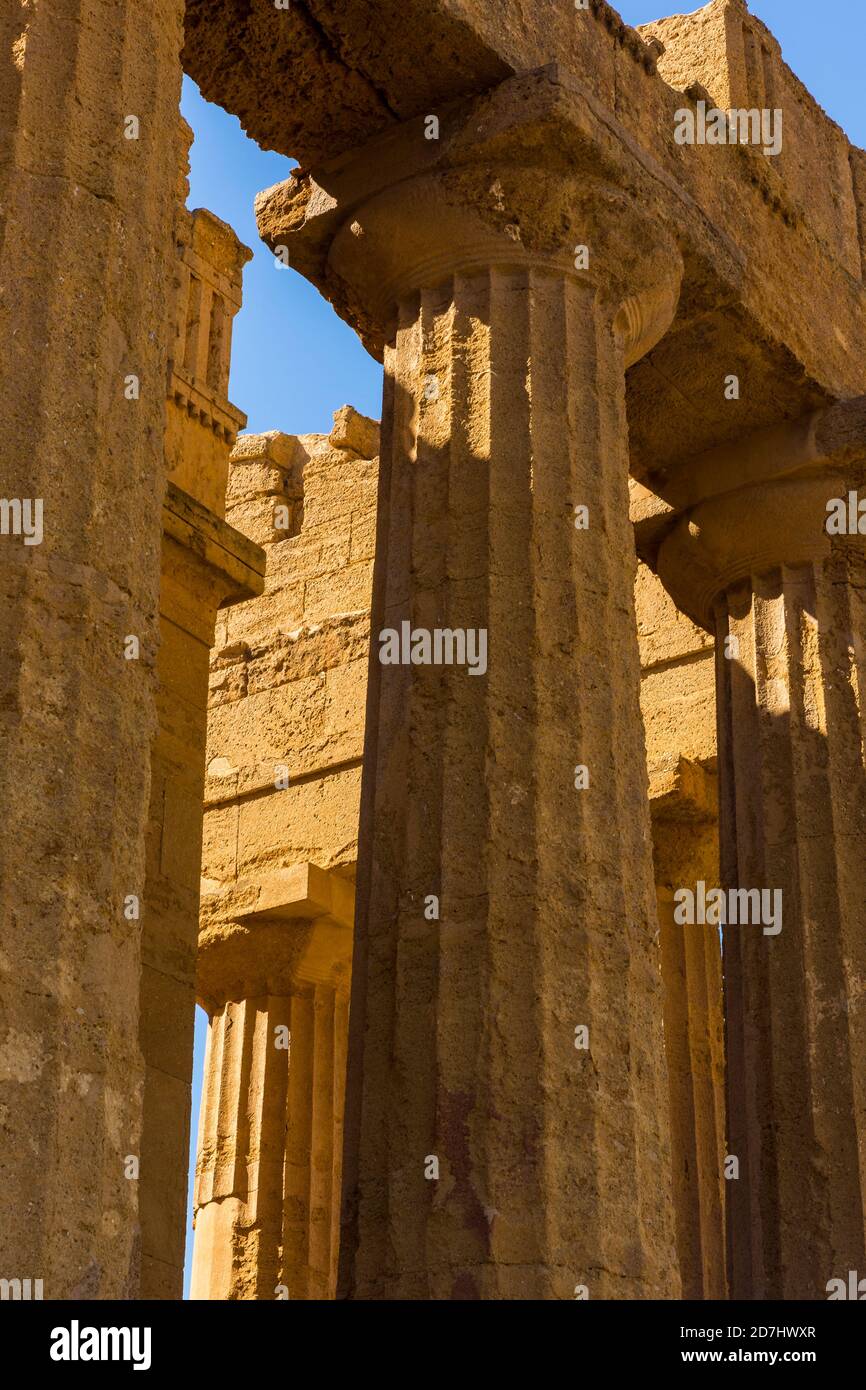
(724, 54)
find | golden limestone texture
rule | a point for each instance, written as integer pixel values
(86, 263)
(285, 740)
(285, 744)
(494, 780)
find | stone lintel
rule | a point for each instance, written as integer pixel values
(303, 890)
(235, 563)
(362, 66)
(345, 72)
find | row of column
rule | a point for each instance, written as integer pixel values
(270, 1147)
(516, 801)
(513, 1121)
(787, 602)
(507, 1081)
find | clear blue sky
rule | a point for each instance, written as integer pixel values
(294, 362)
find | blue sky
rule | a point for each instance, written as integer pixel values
(294, 362)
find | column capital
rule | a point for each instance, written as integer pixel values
(273, 934)
(753, 505)
(519, 178)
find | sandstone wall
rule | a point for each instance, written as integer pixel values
(289, 670)
(285, 742)
(678, 681)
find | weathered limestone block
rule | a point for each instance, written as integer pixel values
(785, 599)
(86, 220)
(370, 56)
(487, 1155)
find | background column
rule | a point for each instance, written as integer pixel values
(788, 605)
(275, 984)
(685, 842)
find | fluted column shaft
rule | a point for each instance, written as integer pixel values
(685, 845)
(794, 816)
(790, 620)
(504, 410)
(86, 247)
(269, 1150)
(694, 1041)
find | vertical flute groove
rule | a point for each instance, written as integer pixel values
(793, 759)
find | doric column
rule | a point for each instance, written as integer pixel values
(506, 1131)
(275, 984)
(685, 844)
(86, 217)
(504, 409)
(786, 600)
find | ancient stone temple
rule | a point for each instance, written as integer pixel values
(493, 776)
